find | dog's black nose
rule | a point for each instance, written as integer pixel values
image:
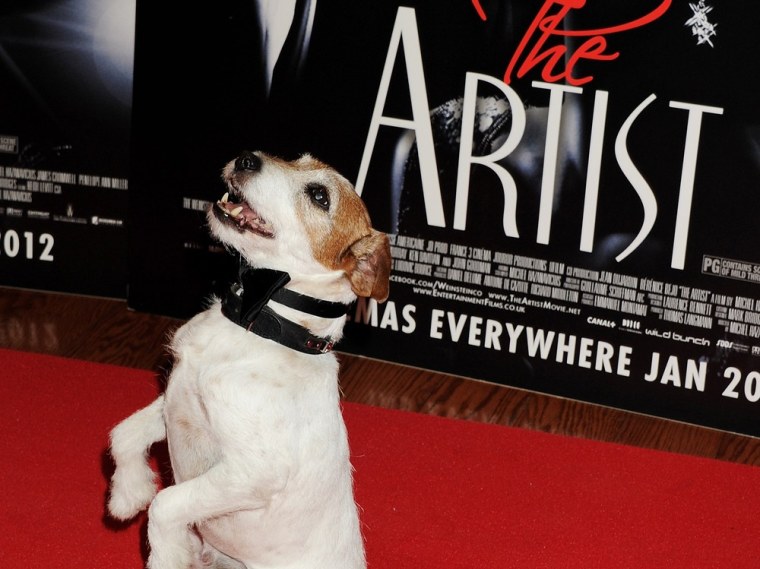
(248, 161)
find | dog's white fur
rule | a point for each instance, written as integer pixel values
(257, 442)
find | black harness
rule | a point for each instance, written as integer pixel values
(246, 305)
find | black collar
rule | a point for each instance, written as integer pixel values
(246, 305)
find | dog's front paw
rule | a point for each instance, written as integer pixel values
(131, 492)
(125, 507)
(172, 544)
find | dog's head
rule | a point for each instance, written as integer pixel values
(301, 217)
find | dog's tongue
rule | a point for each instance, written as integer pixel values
(243, 216)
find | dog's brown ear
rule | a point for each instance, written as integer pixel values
(367, 263)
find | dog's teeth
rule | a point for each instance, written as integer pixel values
(235, 212)
(225, 197)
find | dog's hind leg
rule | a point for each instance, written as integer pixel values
(133, 484)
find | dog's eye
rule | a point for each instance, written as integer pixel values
(319, 195)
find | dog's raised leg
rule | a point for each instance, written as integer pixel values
(133, 484)
(176, 509)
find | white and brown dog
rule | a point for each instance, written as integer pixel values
(251, 411)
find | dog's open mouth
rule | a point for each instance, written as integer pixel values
(241, 216)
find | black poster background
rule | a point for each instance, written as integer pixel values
(65, 118)
(640, 332)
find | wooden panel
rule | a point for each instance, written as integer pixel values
(106, 331)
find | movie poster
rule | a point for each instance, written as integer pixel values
(571, 187)
(65, 117)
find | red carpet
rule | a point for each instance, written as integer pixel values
(435, 493)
